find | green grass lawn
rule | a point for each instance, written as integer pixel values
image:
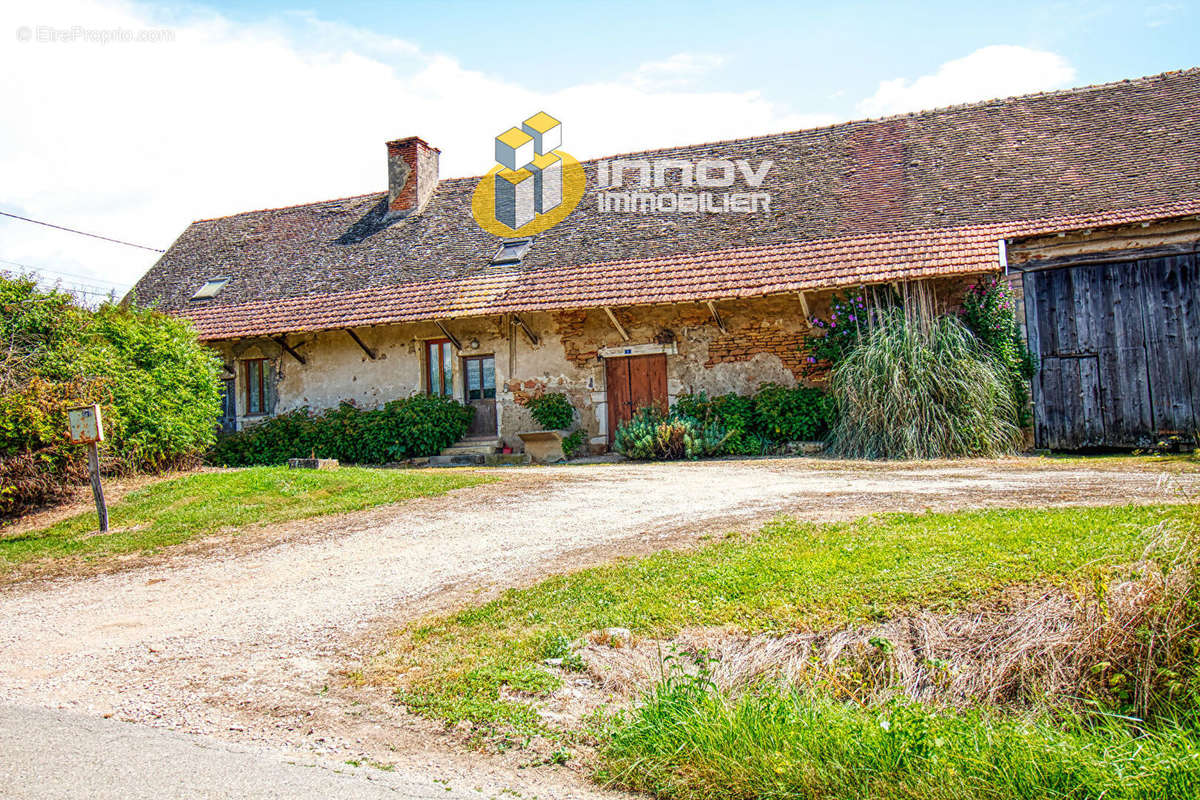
(175, 510)
(788, 576)
(691, 743)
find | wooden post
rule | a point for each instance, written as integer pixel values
(85, 427)
(97, 489)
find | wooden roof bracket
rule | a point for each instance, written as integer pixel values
(371, 354)
(282, 342)
(804, 310)
(453, 339)
(712, 309)
(617, 324)
(533, 338)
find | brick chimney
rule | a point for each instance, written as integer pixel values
(412, 175)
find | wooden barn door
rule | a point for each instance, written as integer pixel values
(633, 382)
(1119, 352)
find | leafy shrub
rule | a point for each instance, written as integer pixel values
(553, 411)
(573, 443)
(732, 412)
(755, 424)
(652, 435)
(416, 426)
(989, 310)
(157, 386)
(792, 415)
(908, 392)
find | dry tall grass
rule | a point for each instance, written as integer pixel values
(1120, 642)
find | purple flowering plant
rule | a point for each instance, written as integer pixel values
(989, 310)
(836, 335)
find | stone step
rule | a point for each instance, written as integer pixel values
(457, 460)
(478, 447)
(509, 460)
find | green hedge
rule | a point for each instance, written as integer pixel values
(416, 426)
(157, 386)
(758, 423)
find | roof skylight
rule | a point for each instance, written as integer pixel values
(210, 288)
(512, 251)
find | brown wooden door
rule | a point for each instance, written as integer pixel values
(479, 386)
(633, 382)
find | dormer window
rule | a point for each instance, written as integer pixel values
(210, 288)
(512, 251)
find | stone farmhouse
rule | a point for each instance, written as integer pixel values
(1086, 200)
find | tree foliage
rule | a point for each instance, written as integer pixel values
(157, 386)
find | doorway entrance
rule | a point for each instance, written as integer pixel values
(632, 383)
(479, 386)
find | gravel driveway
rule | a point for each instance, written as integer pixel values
(249, 643)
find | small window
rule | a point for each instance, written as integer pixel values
(439, 359)
(256, 386)
(210, 288)
(512, 251)
(480, 377)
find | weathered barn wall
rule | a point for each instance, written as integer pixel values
(1095, 246)
(1111, 319)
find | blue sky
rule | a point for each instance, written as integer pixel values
(814, 57)
(230, 106)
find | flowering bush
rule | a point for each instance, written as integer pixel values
(989, 311)
(848, 316)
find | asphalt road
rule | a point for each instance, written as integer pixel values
(70, 756)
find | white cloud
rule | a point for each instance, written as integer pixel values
(681, 69)
(135, 140)
(994, 71)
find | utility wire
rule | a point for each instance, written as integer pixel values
(82, 233)
(60, 273)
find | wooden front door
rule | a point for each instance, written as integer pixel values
(634, 382)
(479, 386)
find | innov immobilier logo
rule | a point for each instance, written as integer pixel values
(535, 183)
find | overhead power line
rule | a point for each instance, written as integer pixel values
(82, 233)
(60, 274)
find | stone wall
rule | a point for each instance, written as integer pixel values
(760, 344)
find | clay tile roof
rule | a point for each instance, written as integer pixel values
(917, 194)
(693, 277)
